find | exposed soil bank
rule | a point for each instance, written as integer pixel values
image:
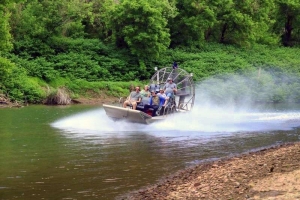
(272, 173)
(96, 101)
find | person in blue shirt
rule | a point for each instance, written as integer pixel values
(175, 65)
(155, 102)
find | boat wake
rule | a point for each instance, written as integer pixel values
(201, 121)
(208, 117)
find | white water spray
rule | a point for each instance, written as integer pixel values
(205, 118)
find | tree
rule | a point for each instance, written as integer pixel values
(5, 41)
(224, 21)
(35, 22)
(5, 36)
(94, 23)
(288, 21)
(192, 25)
(140, 25)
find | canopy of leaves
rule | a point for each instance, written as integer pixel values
(141, 25)
(122, 40)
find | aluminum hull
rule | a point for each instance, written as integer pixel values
(130, 115)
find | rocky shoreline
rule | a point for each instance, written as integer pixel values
(272, 173)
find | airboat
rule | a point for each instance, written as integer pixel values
(182, 102)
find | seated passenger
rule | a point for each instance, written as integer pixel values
(155, 102)
(133, 99)
(162, 93)
(170, 89)
(145, 92)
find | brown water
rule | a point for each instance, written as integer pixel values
(75, 152)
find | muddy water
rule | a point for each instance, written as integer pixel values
(75, 152)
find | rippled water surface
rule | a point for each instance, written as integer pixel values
(76, 152)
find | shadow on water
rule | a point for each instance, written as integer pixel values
(85, 155)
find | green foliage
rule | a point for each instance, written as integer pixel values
(229, 21)
(215, 59)
(116, 89)
(5, 36)
(77, 66)
(18, 86)
(287, 21)
(59, 82)
(207, 62)
(38, 67)
(27, 89)
(35, 22)
(101, 62)
(72, 41)
(43, 18)
(92, 60)
(141, 25)
(5, 69)
(81, 58)
(245, 22)
(190, 26)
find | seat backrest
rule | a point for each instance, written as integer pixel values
(145, 100)
(153, 87)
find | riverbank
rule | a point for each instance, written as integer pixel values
(85, 101)
(96, 101)
(272, 173)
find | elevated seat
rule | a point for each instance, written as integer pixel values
(142, 104)
(182, 93)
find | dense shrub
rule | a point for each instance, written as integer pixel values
(104, 70)
(117, 89)
(5, 70)
(20, 87)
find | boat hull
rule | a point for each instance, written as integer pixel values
(127, 114)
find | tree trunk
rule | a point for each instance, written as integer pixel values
(222, 39)
(288, 31)
(207, 34)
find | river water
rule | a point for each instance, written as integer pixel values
(76, 152)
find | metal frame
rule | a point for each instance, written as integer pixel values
(185, 96)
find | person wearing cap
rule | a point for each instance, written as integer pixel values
(145, 92)
(170, 89)
(155, 102)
